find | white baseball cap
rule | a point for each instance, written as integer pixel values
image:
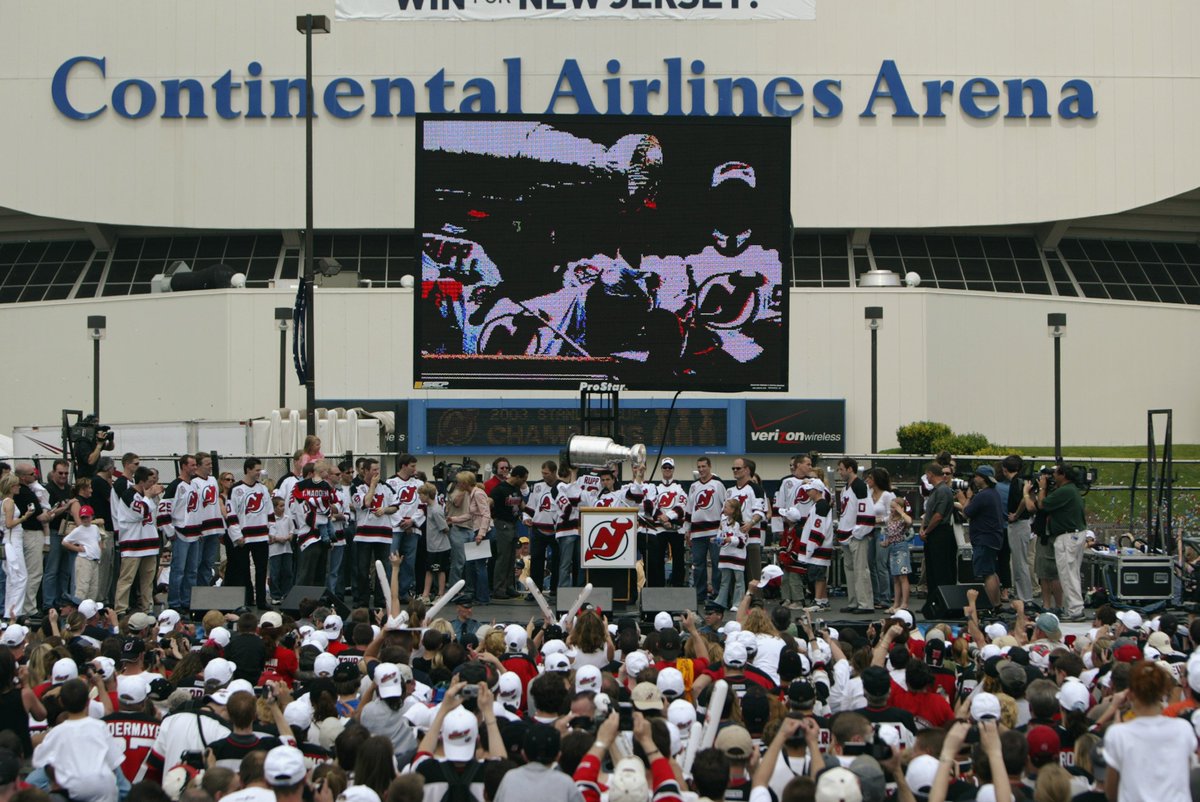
(272, 619)
(509, 689)
(219, 670)
(841, 785)
(557, 662)
(284, 766)
(1074, 696)
(749, 640)
(682, 714)
(627, 783)
(460, 731)
(88, 608)
(1130, 619)
(388, 680)
(299, 714)
(636, 663)
(555, 646)
(420, 716)
(735, 655)
(670, 682)
(220, 636)
(921, 773)
(222, 696)
(989, 651)
(904, 616)
(587, 678)
(167, 621)
(15, 635)
(132, 690)
(515, 638)
(333, 626)
(64, 669)
(985, 705)
(995, 630)
(317, 639)
(106, 665)
(729, 628)
(325, 665)
(662, 620)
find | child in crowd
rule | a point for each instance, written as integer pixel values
(84, 541)
(895, 539)
(437, 541)
(279, 557)
(732, 563)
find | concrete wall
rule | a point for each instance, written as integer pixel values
(847, 172)
(977, 362)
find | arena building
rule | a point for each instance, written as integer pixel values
(1021, 159)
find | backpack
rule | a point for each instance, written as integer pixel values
(459, 789)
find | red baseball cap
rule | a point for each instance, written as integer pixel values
(86, 512)
(1127, 654)
(1044, 745)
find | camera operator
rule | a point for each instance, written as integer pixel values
(88, 440)
(986, 513)
(1065, 525)
(1019, 515)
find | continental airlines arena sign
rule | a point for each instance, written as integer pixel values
(681, 88)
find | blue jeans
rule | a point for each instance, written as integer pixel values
(282, 575)
(733, 584)
(185, 564)
(877, 557)
(332, 583)
(325, 531)
(210, 553)
(58, 577)
(405, 543)
(705, 552)
(568, 560)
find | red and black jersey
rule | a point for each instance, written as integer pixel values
(136, 732)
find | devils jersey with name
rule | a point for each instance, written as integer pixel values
(308, 498)
(792, 495)
(704, 503)
(373, 528)
(136, 733)
(856, 516)
(668, 499)
(816, 538)
(174, 506)
(251, 513)
(205, 508)
(138, 532)
(541, 509)
(631, 495)
(571, 496)
(408, 502)
(752, 507)
(590, 485)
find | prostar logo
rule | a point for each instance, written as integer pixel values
(608, 541)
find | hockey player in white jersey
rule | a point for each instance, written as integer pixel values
(408, 521)
(251, 513)
(663, 515)
(179, 507)
(753, 514)
(706, 497)
(541, 518)
(209, 520)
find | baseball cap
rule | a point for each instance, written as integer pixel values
(729, 628)
(220, 636)
(358, 793)
(801, 694)
(460, 730)
(995, 630)
(139, 621)
(920, 774)
(627, 783)
(541, 743)
(515, 638)
(668, 644)
(284, 766)
(985, 705)
(735, 742)
(987, 472)
(988, 652)
(299, 713)
(167, 621)
(333, 626)
(935, 651)
(271, 619)
(1160, 641)
(89, 608)
(317, 639)
(750, 641)
(15, 635)
(132, 649)
(793, 665)
(841, 785)
(876, 681)
(1127, 654)
(1130, 619)
(86, 512)
(662, 620)
(587, 678)
(770, 573)
(647, 696)
(668, 462)
(325, 665)
(388, 680)
(670, 683)
(682, 714)
(558, 663)
(555, 646)
(64, 669)
(509, 689)
(735, 655)
(106, 665)
(1048, 623)
(132, 690)
(636, 663)
(904, 617)
(222, 696)
(1044, 745)
(522, 539)
(871, 781)
(1074, 696)
(219, 671)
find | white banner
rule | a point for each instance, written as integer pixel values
(489, 10)
(609, 537)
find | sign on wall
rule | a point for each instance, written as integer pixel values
(490, 10)
(609, 538)
(787, 427)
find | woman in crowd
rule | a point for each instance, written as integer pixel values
(12, 526)
(468, 512)
(1150, 755)
(879, 483)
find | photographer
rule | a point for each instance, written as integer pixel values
(1019, 515)
(985, 511)
(88, 440)
(1065, 525)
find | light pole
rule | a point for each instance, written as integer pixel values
(1056, 322)
(282, 315)
(96, 326)
(308, 24)
(874, 315)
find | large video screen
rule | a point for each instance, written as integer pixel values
(646, 251)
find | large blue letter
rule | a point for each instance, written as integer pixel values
(333, 97)
(778, 88)
(889, 84)
(172, 91)
(824, 95)
(58, 88)
(576, 88)
(146, 98)
(977, 88)
(1081, 104)
(1016, 98)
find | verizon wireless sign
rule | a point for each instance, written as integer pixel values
(491, 10)
(789, 427)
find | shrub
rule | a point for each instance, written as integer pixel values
(962, 444)
(919, 437)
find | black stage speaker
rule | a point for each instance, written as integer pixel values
(949, 601)
(599, 597)
(223, 599)
(673, 600)
(298, 593)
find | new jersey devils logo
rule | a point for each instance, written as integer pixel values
(254, 502)
(408, 494)
(609, 541)
(545, 505)
(704, 499)
(210, 495)
(193, 501)
(607, 501)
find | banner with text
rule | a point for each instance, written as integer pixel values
(491, 10)
(789, 427)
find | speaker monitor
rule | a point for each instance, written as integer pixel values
(224, 599)
(673, 600)
(298, 593)
(599, 597)
(950, 600)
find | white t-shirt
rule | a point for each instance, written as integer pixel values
(84, 755)
(1153, 755)
(88, 537)
(767, 658)
(883, 507)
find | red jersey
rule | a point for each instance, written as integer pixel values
(136, 732)
(929, 708)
